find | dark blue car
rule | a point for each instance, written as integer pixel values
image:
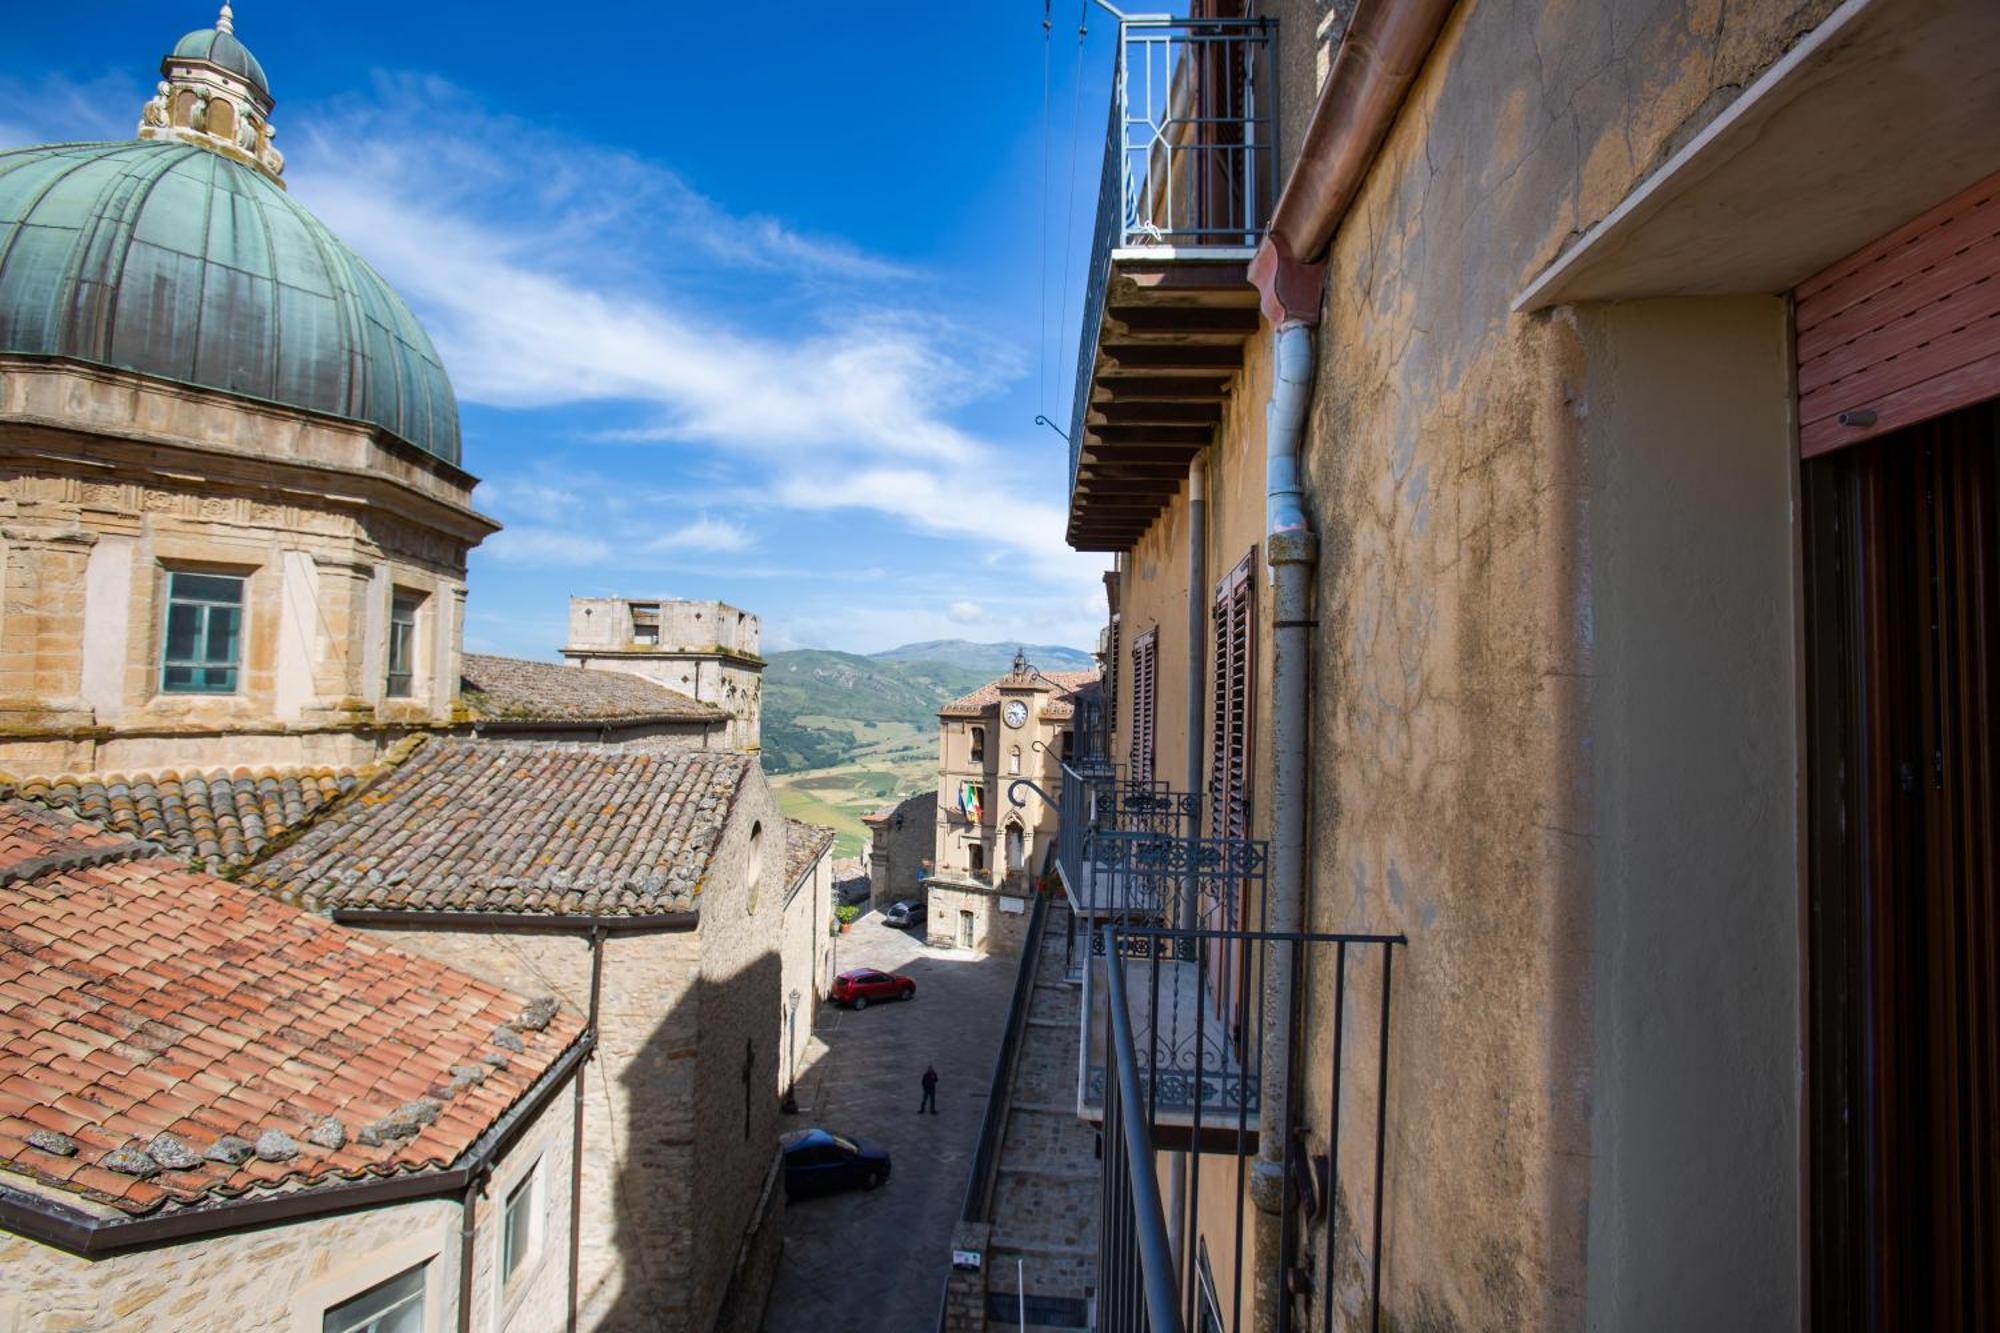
(818, 1162)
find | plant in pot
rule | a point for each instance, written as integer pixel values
(847, 914)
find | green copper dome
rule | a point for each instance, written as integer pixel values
(218, 47)
(174, 261)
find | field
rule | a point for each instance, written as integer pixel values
(839, 796)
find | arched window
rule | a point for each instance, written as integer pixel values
(979, 745)
(1014, 760)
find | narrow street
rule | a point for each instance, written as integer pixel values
(875, 1261)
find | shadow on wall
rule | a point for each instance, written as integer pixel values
(698, 1210)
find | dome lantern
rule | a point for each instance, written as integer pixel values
(213, 94)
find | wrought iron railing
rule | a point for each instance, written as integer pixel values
(1189, 157)
(1190, 1263)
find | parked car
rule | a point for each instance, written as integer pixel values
(909, 912)
(818, 1161)
(851, 892)
(859, 986)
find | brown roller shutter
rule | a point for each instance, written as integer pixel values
(1905, 330)
(1145, 689)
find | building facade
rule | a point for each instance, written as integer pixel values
(1545, 466)
(902, 842)
(990, 851)
(709, 651)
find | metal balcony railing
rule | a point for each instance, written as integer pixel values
(1166, 1269)
(1189, 157)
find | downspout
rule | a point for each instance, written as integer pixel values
(1381, 53)
(576, 1135)
(468, 1231)
(1197, 663)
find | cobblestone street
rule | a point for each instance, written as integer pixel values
(878, 1261)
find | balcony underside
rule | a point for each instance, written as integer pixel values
(1167, 350)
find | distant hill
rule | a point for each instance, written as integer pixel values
(811, 694)
(823, 708)
(992, 659)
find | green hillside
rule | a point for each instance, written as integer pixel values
(823, 708)
(989, 659)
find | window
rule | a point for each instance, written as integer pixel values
(978, 745)
(1211, 1308)
(646, 624)
(520, 1225)
(1145, 682)
(1231, 676)
(1068, 745)
(1014, 760)
(975, 857)
(204, 634)
(396, 1306)
(403, 608)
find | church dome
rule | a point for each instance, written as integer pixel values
(219, 46)
(176, 261)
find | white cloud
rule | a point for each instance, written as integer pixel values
(704, 534)
(965, 613)
(527, 545)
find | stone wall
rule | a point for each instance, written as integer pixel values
(999, 917)
(738, 1040)
(108, 482)
(897, 854)
(709, 651)
(283, 1278)
(807, 970)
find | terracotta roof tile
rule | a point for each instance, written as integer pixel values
(219, 817)
(512, 689)
(1065, 685)
(518, 826)
(804, 845)
(111, 1055)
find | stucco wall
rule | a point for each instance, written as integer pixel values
(1451, 461)
(283, 1278)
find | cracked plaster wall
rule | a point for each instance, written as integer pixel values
(1450, 465)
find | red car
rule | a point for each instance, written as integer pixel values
(858, 985)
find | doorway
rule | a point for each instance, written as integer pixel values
(1902, 578)
(965, 930)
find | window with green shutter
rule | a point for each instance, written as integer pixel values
(403, 643)
(201, 650)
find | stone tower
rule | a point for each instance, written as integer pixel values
(705, 650)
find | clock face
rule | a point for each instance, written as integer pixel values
(1017, 713)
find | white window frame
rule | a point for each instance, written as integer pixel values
(311, 1302)
(508, 1287)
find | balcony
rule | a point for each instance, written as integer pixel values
(1200, 1045)
(1327, 1193)
(1187, 187)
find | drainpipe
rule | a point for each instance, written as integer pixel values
(468, 1230)
(1293, 551)
(576, 1136)
(1197, 664)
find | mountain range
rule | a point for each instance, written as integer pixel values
(821, 707)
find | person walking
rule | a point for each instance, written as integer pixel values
(929, 1102)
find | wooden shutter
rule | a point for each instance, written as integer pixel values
(1231, 673)
(1145, 680)
(1905, 330)
(1112, 663)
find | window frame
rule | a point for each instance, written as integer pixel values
(168, 601)
(510, 1276)
(1145, 698)
(420, 1270)
(415, 601)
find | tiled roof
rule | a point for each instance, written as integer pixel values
(168, 1038)
(1065, 684)
(518, 826)
(219, 817)
(804, 845)
(511, 689)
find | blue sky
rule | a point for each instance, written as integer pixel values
(748, 306)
